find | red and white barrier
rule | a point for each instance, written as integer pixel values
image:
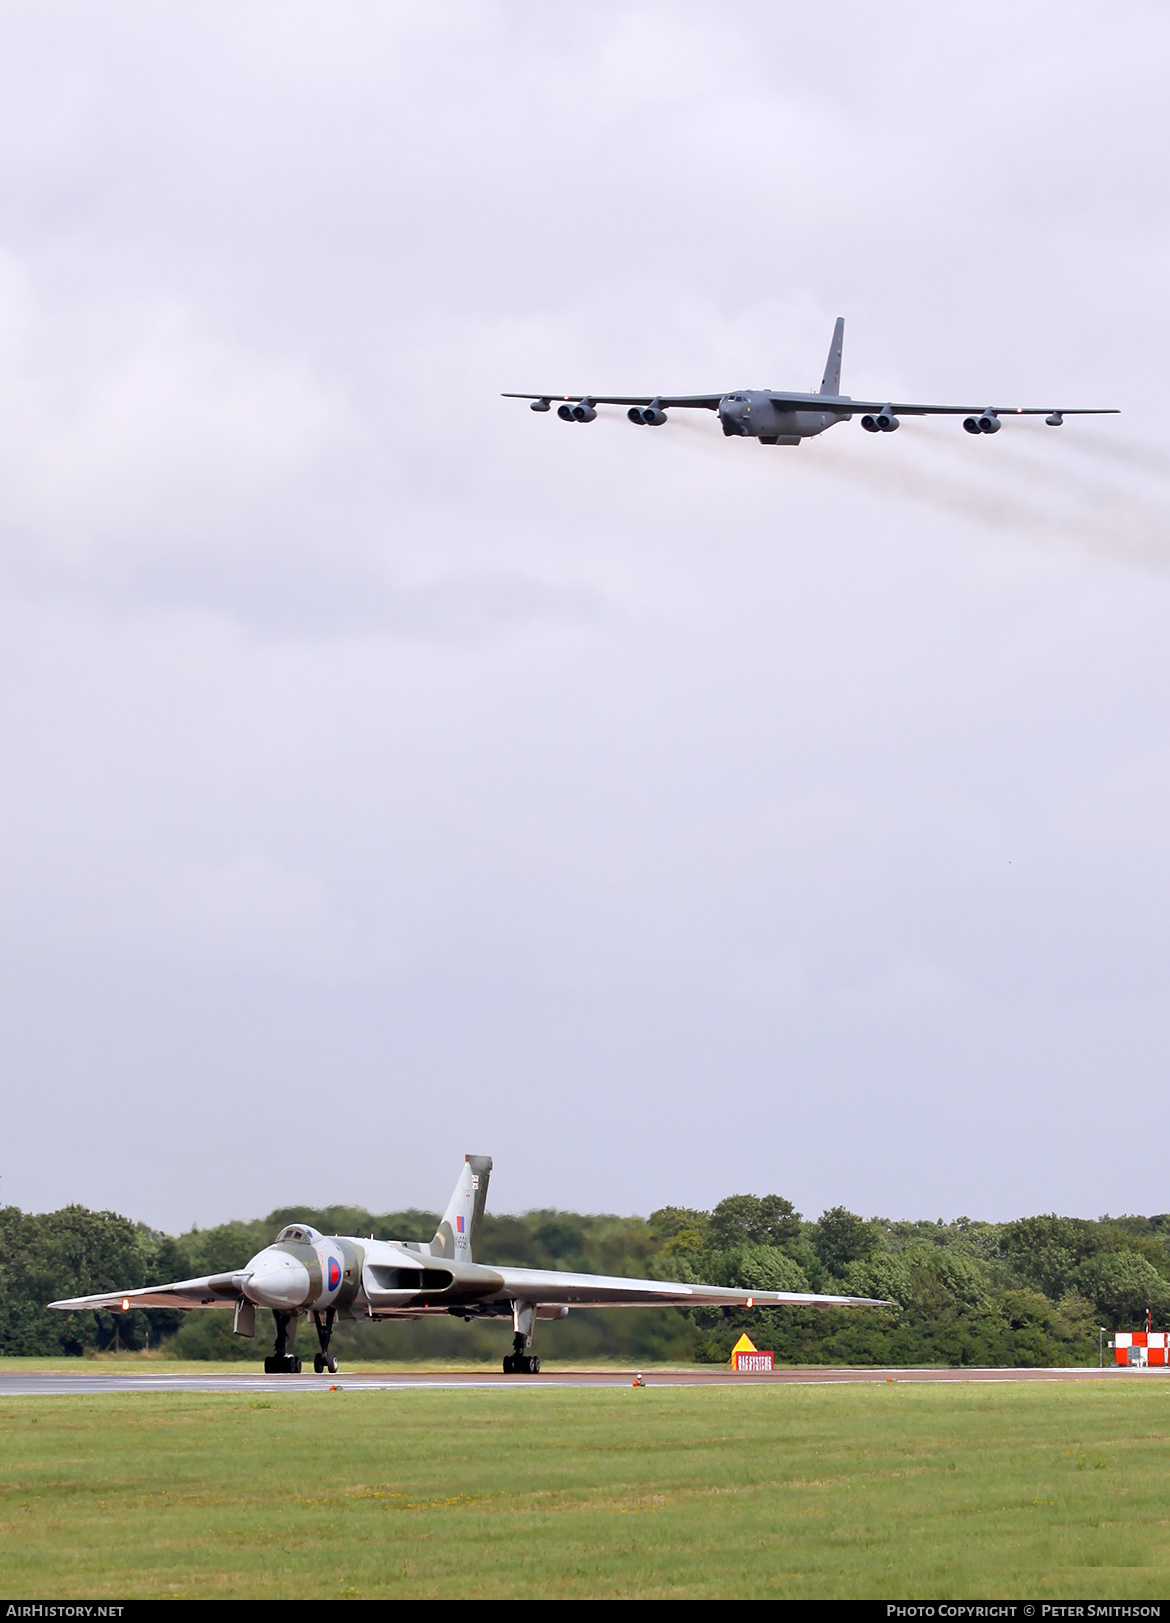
(1140, 1348)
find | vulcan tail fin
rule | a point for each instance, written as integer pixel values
(464, 1210)
(831, 382)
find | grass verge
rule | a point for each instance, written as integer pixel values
(1045, 1491)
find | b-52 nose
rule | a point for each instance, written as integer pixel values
(731, 414)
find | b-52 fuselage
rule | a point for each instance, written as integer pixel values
(782, 417)
(304, 1273)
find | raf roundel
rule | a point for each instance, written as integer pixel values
(334, 1273)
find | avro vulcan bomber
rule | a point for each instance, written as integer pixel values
(304, 1274)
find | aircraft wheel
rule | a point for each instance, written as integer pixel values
(318, 1363)
(534, 1366)
(332, 1364)
(282, 1364)
(509, 1364)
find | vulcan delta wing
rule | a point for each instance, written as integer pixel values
(304, 1274)
(785, 417)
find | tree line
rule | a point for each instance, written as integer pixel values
(1030, 1292)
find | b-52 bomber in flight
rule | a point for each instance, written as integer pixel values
(782, 417)
(304, 1273)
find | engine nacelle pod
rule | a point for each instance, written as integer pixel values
(583, 412)
(540, 405)
(886, 421)
(654, 415)
(971, 424)
(565, 413)
(635, 414)
(870, 424)
(989, 423)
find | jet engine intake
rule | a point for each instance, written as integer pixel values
(870, 424)
(635, 414)
(653, 414)
(583, 411)
(418, 1280)
(971, 424)
(989, 423)
(886, 421)
(565, 413)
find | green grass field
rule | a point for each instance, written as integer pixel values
(1047, 1490)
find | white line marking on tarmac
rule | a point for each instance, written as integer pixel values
(55, 1384)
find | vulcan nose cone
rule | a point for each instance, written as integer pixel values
(277, 1280)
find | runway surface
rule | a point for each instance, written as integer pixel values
(56, 1384)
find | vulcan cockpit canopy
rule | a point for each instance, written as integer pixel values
(298, 1231)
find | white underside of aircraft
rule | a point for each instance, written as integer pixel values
(326, 1277)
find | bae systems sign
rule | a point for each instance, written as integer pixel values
(747, 1358)
(753, 1363)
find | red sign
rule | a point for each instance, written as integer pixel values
(753, 1363)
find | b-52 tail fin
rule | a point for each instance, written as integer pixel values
(464, 1210)
(831, 382)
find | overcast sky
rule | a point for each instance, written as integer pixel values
(387, 772)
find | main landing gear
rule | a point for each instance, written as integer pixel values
(282, 1361)
(518, 1362)
(325, 1360)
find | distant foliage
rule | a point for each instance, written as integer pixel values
(841, 1237)
(1031, 1292)
(741, 1219)
(75, 1252)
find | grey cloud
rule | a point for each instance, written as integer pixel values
(659, 809)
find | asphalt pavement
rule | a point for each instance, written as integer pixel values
(84, 1383)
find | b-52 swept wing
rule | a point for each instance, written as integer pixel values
(305, 1273)
(785, 417)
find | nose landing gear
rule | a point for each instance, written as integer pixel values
(325, 1360)
(282, 1361)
